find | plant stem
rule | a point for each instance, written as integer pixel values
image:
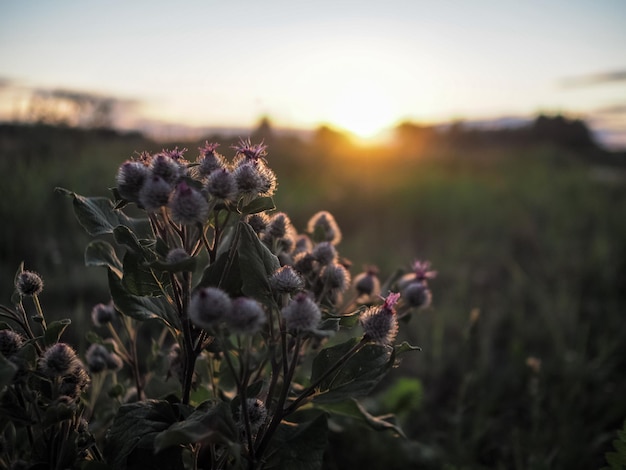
(311, 388)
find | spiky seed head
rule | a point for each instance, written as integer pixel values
(248, 180)
(130, 179)
(257, 414)
(301, 314)
(367, 283)
(246, 151)
(96, 358)
(221, 185)
(280, 226)
(10, 342)
(259, 222)
(417, 294)
(380, 323)
(322, 227)
(286, 280)
(336, 277)
(208, 306)
(247, 316)
(209, 159)
(155, 193)
(305, 264)
(101, 314)
(166, 167)
(58, 360)
(188, 206)
(324, 253)
(28, 284)
(303, 244)
(75, 382)
(177, 255)
(268, 180)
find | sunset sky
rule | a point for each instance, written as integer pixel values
(359, 65)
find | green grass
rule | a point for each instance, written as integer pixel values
(527, 238)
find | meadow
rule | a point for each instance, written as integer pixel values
(524, 347)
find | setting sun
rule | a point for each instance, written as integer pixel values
(363, 109)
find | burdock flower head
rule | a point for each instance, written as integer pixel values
(367, 282)
(58, 360)
(301, 314)
(380, 323)
(421, 272)
(209, 160)
(209, 306)
(222, 185)
(154, 193)
(10, 343)
(322, 227)
(101, 314)
(247, 151)
(188, 205)
(28, 284)
(166, 165)
(130, 178)
(247, 316)
(286, 280)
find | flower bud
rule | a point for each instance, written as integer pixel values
(305, 264)
(335, 277)
(286, 281)
(188, 206)
(99, 358)
(221, 185)
(258, 222)
(10, 343)
(417, 294)
(323, 228)
(303, 244)
(301, 314)
(380, 323)
(130, 178)
(101, 314)
(257, 413)
(166, 167)
(367, 283)
(247, 316)
(325, 253)
(208, 306)
(28, 284)
(248, 180)
(75, 382)
(177, 255)
(155, 193)
(280, 226)
(58, 360)
(209, 160)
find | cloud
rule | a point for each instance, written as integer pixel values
(595, 79)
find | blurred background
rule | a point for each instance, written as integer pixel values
(487, 137)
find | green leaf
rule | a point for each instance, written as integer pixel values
(141, 308)
(214, 276)
(98, 216)
(130, 440)
(353, 409)
(260, 204)
(300, 445)
(406, 394)
(139, 279)
(101, 253)
(357, 377)
(7, 372)
(125, 236)
(212, 425)
(55, 330)
(256, 263)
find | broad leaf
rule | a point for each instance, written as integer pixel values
(218, 274)
(357, 377)
(353, 409)
(98, 215)
(141, 308)
(300, 445)
(260, 204)
(214, 425)
(130, 440)
(139, 279)
(7, 372)
(256, 263)
(55, 330)
(101, 253)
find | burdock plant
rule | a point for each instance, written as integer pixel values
(231, 339)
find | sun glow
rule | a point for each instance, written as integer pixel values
(363, 109)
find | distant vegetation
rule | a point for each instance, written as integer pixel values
(524, 349)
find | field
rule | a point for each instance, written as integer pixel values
(524, 348)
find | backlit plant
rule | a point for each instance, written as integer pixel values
(230, 341)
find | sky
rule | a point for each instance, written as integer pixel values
(358, 65)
